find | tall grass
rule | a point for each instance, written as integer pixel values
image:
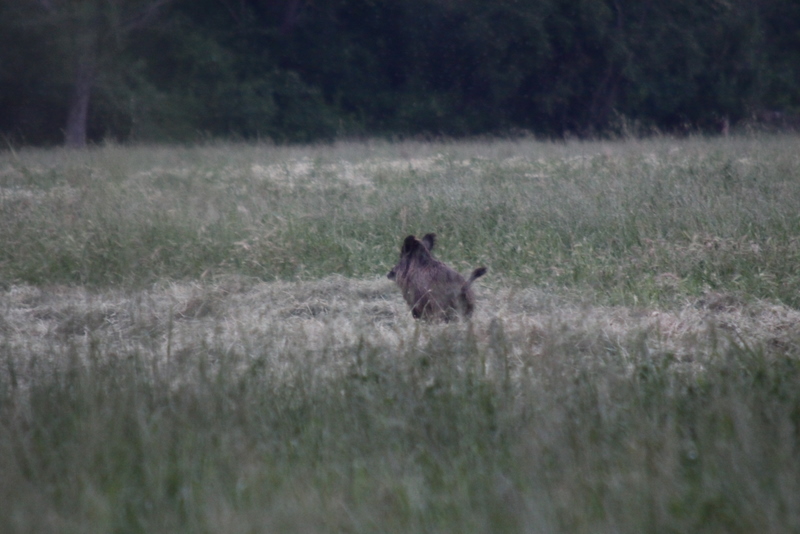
(449, 432)
(610, 218)
(203, 339)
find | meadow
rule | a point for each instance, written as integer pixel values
(203, 339)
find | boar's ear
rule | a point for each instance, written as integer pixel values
(410, 245)
(429, 241)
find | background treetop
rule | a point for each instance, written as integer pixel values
(296, 70)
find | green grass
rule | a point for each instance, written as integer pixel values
(607, 217)
(203, 339)
(446, 434)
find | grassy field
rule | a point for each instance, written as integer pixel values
(204, 339)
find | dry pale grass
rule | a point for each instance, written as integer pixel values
(244, 316)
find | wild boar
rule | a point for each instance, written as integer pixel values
(432, 289)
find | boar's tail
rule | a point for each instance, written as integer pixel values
(477, 273)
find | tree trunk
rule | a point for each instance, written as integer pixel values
(78, 117)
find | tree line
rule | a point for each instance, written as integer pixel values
(77, 71)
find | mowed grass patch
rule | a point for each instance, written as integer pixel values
(633, 222)
(322, 406)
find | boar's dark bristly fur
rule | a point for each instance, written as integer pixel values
(432, 289)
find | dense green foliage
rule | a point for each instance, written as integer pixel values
(298, 71)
